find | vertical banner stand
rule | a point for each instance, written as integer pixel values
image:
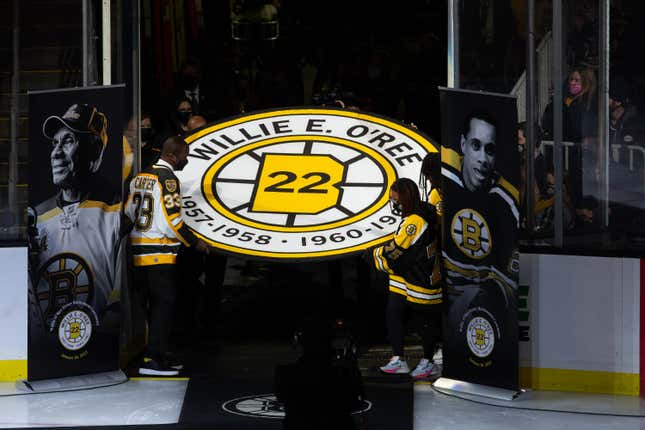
(456, 387)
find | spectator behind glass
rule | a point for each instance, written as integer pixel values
(191, 86)
(178, 119)
(150, 145)
(626, 125)
(579, 116)
(195, 122)
(579, 125)
(538, 169)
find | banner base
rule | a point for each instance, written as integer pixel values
(69, 383)
(454, 386)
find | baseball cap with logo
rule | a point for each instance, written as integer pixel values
(80, 118)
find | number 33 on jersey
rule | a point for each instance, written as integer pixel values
(154, 206)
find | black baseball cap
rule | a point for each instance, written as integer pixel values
(80, 118)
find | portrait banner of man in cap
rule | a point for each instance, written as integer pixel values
(75, 244)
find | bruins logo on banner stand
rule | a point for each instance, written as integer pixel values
(481, 332)
(268, 406)
(298, 183)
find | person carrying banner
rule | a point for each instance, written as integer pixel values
(480, 257)
(414, 278)
(154, 207)
(77, 237)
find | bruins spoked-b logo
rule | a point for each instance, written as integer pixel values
(268, 406)
(298, 183)
(471, 234)
(63, 279)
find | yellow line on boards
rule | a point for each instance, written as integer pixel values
(584, 381)
(13, 370)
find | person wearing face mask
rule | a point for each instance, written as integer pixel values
(190, 85)
(580, 126)
(154, 208)
(150, 150)
(410, 260)
(179, 117)
(579, 117)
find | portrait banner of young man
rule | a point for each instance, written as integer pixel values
(480, 181)
(75, 242)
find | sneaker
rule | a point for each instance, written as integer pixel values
(173, 362)
(395, 365)
(153, 367)
(426, 369)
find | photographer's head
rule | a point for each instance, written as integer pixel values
(78, 140)
(478, 147)
(175, 152)
(404, 197)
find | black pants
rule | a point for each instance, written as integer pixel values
(427, 322)
(157, 286)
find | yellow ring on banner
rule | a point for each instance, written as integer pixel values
(421, 140)
(207, 181)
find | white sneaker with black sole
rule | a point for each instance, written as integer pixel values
(151, 367)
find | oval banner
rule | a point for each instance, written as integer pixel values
(294, 184)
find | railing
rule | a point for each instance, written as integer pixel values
(616, 150)
(543, 76)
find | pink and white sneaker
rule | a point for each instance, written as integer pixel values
(395, 365)
(426, 369)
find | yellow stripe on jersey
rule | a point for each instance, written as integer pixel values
(175, 228)
(173, 216)
(424, 302)
(101, 205)
(451, 158)
(152, 241)
(50, 214)
(543, 204)
(436, 200)
(152, 259)
(509, 188)
(479, 274)
(410, 231)
(380, 262)
(422, 290)
(86, 204)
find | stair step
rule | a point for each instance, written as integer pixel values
(43, 80)
(5, 127)
(43, 13)
(5, 147)
(37, 57)
(5, 103)
(43, 36)
(22, 195)
(23, 172)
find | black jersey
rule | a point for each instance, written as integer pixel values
(480, 229)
